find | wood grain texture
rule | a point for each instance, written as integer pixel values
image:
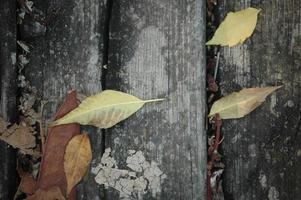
(69, 56)
(8, 93)
(262, 151)
(156, 51)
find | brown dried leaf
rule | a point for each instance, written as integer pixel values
(52, 165)
(28, 185)
(19, 136)
(3, 125)
(53, 193)
(77, 159)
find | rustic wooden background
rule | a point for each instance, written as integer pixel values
(8, 90)
(152, 49)
(156, 49)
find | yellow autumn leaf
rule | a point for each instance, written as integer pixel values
(239, 104)
(104, 110)
(78, 156)
(236, 28)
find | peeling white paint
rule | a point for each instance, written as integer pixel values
(273, 194)
(142, 177)
(154, 175)
(263, 180)
(135, 161)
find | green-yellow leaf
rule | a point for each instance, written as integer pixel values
(239, 104)
(236, 28)
(78, 156)
(104, 110)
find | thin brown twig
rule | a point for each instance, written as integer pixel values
(41, 126)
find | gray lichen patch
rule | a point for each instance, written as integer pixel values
(142, 176)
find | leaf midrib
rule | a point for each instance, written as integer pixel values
(232, 105)
(111, 105)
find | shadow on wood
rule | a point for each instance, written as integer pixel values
(8, 95)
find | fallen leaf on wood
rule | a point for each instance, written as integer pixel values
(52, 166)
(19, 136)
(104, 110)
(53, 193)
(77, 159)
(236, 28)
(239, 104)
(28, 185)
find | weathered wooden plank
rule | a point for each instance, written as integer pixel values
(262, 150)
(156, 51)
(69, 56)
(8, 88)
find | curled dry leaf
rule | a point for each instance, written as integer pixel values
(236, 28)
(19, 136)
(239, 104)
(77, 159)
(104, 110)
(53, 193)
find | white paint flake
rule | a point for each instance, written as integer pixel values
(263, 180)
(142, 176)
(135, 161)
(273, 194)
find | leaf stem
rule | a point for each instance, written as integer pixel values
(152, 100)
